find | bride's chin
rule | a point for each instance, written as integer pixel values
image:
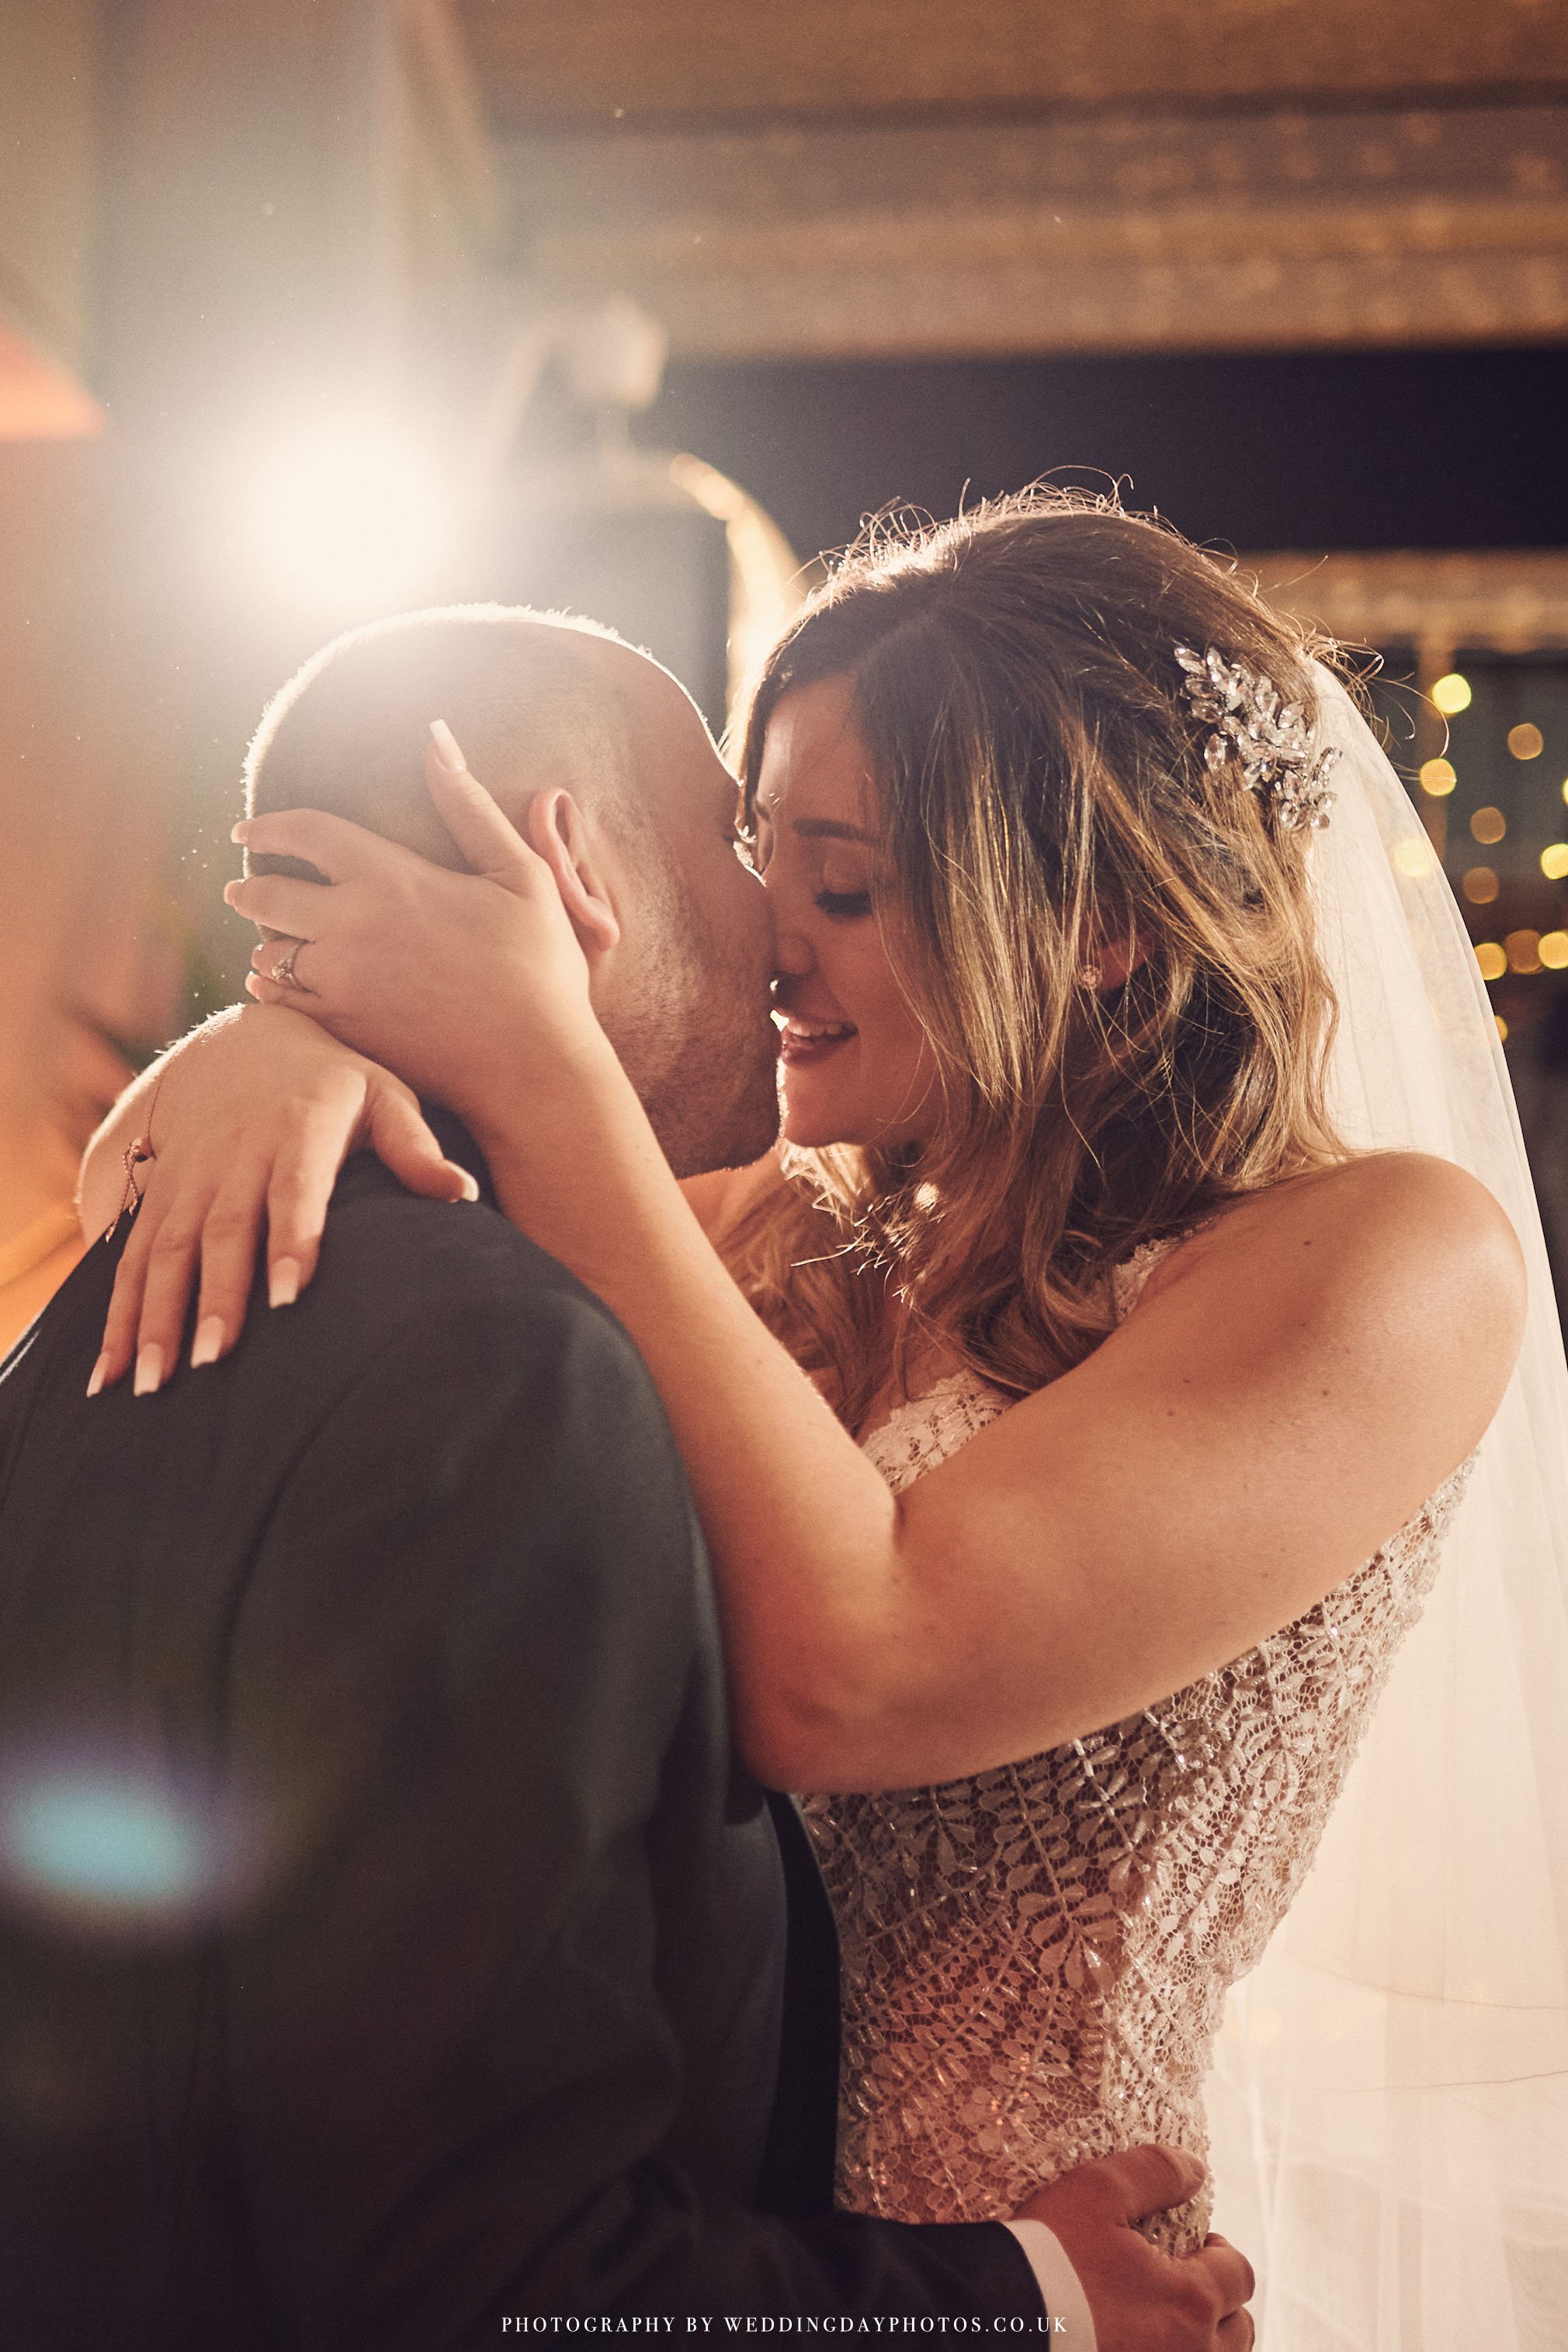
(810, 1133)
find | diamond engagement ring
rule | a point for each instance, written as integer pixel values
(283, 971)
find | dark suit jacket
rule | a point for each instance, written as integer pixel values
(389, 1944)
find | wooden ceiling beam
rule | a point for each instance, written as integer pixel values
(1289, 230)
(602, 60)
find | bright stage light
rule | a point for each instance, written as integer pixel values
(350, 515)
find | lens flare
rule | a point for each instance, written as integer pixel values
(94, 1840)
(350, 515)
(105, 1841)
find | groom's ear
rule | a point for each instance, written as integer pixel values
(557, 831)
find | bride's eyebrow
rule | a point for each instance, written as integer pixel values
(828, 828)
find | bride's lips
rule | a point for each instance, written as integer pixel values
(802, 1045)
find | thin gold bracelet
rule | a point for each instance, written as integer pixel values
(136, 1153)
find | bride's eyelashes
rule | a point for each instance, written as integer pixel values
(753, 842)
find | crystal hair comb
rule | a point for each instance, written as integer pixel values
(1272, 740)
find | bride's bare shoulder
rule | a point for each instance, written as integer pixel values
(1405, 1201)
(1383, 1227)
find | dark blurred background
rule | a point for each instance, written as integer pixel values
(1433, 449)
(322, 309)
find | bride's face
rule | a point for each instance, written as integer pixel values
(855, 1065)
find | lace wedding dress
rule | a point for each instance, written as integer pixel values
(1035, 1960)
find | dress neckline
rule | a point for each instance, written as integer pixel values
(949, 1384)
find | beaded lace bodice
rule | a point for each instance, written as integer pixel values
(1035, 1960)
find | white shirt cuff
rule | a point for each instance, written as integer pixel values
(1072, 2322)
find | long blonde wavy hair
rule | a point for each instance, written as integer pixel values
(1043, 787)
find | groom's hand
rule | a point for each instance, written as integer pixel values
(1143, 2300)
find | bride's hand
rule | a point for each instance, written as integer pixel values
(252, 1119)
(473, 986)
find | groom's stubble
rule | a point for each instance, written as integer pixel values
(688, 1008)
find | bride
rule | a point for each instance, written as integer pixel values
(1077, 1408)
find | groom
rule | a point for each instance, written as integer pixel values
(392, 1953)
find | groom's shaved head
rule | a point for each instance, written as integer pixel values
(537, 704)
(535, 701)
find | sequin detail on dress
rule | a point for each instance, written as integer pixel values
(1035, 1960)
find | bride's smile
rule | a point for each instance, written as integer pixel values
(856, 1065)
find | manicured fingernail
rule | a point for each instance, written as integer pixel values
(447, 749)
(241, 832)
(283, 1283)
(99, 1374)
(208, 1344)
(148, 1369)
(471, 1190)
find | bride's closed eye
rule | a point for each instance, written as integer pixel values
(843, 906)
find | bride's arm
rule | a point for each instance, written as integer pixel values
(1282, 1404)
(1283, 1400)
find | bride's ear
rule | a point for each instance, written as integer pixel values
(1109, 951)
(1117, 961)
(556, 830)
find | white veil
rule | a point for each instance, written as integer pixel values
(1389, 2101)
